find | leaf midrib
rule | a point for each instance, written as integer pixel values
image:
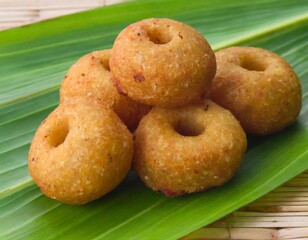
(263, 31)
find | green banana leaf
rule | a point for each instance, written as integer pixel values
(33, 62)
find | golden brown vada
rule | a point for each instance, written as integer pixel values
(259, 87)
(80, 152)
(188, 149)
(90, 77)
(162, 62)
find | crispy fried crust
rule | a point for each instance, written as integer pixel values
(90, 77)
(80, 152)
(162, 62)
(189, 149)
(258, 87)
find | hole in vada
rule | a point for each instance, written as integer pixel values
(58, 134)
(252, 64)
(189, 128)
(159, 35)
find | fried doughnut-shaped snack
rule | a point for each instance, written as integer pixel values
(80, 152)
(189, 149)
(90, 77)
(162, 62)
(259, 87)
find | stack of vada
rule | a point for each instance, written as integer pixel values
(158, 103)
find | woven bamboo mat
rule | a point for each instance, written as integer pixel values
(281, 214)
(15, 13)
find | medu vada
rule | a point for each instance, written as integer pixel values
(189, 149)
(90, 77)
(162, 62)
(80, 152)
(259, 87)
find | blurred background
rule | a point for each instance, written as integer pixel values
(15, 13)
